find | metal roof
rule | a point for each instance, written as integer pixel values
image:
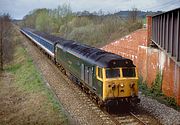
(95, 56)
(90, 54)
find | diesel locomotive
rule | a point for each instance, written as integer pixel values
(111, 79)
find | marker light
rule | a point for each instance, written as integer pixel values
(122, 85)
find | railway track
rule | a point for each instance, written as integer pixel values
(129, 118)
(138, 119)
(132, 119)
(106, 117)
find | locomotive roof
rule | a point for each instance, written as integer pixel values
(95, 55)
(91, 54)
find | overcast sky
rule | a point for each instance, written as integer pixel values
(19, 8)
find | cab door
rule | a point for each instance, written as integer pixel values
(86, 74)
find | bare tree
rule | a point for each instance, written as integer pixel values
(5, 39)
(133, 15)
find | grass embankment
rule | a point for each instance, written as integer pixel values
(32, 101)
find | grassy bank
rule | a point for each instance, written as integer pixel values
(37, 103)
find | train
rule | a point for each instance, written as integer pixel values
(110, 79)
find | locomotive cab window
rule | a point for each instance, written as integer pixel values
(112, 73)
(129, 72)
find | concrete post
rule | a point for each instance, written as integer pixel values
(178, 84)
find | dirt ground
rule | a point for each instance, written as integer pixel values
(19, 106)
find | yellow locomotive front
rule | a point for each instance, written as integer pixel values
(119, 85)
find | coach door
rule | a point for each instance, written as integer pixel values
(82, 72)
(90, 76)
(86, 74)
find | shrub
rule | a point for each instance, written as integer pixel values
(156, 87)
(89, 34)
(80, 21)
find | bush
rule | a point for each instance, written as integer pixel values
(96, 31)
(133, 26)
(111, 24)
(92, 29)
(89, 34)
(156, 87)
(156, 91)
(171, 101)
(80, 21)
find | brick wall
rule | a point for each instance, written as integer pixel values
(149, 30)
(149, 61)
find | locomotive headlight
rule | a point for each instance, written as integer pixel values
(122, 85)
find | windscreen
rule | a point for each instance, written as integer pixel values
(112, 73)
(129, 72)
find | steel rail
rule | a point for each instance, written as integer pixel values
(139, 120)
